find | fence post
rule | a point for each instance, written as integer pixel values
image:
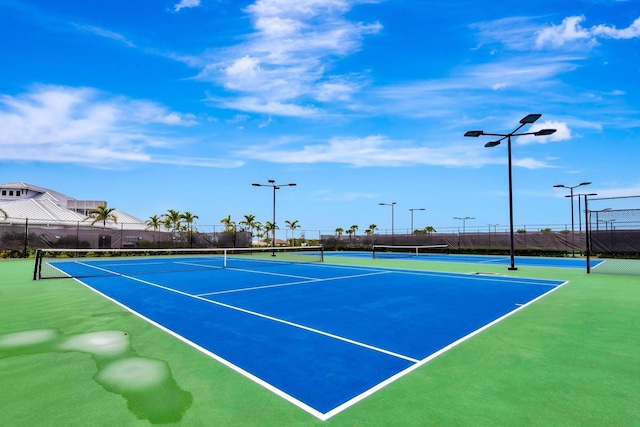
(25, 254)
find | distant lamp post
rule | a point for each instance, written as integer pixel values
(392, 204)
(597, 217)
(464, 221)
(272, 183)
(411, 210)
(571, 195)
(529, 119)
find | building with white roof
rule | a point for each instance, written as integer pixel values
(22, 202)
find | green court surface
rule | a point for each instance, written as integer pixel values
(70, 357)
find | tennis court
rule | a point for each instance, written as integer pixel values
(321, 336)
(278, 354)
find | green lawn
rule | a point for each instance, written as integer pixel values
(572, 358)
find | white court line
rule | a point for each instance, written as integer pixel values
(492, 261)
(467, 276)
(304, 282)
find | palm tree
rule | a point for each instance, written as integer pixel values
(339, 232)
(372, 229)
(292, 225)
(102, 213)
(229, 226)
(350, 232)
(429, 229)
(353, 230)
(258, 227)
(189, 218)
(249, 221)
(270, 226)
(154, 222)
(172, 219)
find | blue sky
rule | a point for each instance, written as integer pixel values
(156, 105)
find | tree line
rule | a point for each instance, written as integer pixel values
(176, 221)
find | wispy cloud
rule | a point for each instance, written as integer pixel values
(485, 86)
(82, 125)
(514, 33)
(283, 66)
(377, 150)
(101, 32)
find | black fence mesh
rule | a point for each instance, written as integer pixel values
(23, 239)
(542, 241)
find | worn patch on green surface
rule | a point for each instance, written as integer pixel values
(147, 384)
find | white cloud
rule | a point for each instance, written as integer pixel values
(375, 150)
(82, 125)
(286, 60)
(184, 4)
(562, 133)
(631, 32)
(260, 105)
(571, 30)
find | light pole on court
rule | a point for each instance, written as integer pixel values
(571, 187)
(411, 210)
(272, 183)
(529, 119)
(587, 227)
(464, 221)
(392, 204)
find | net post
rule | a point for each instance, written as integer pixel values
(321, 254)
(36, 266)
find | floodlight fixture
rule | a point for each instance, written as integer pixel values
(530, 118)
(474, 133)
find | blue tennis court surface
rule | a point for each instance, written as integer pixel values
(478, 259)
(321, 336)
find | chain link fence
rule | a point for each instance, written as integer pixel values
(22, 239)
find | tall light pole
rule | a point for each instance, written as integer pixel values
(587, 228)
(272, 183)
(464, 220)
(411, 210)
(529, 119)
(571, 187)
(392, 204)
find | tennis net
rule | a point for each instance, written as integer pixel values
(65, 263)
(395, 251)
